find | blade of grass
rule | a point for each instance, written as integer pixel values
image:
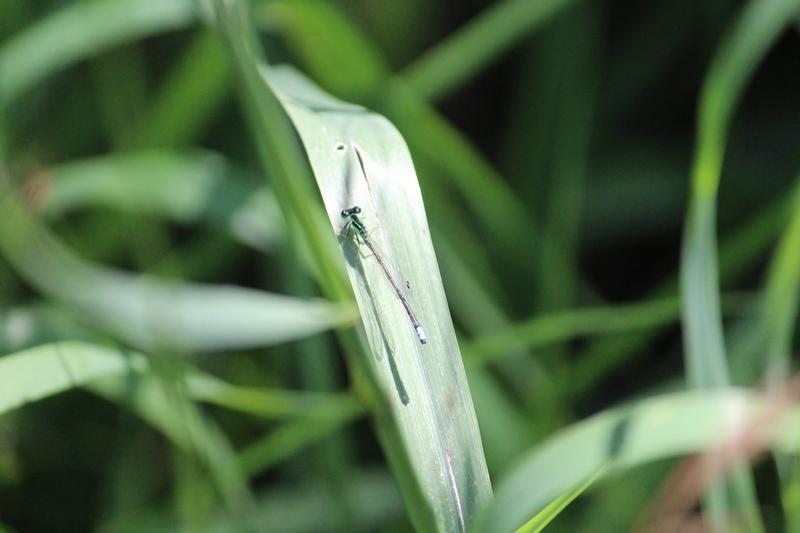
(737, 58)
(193, 493)
(152, 313)
(576, 41)
(621, 438)
(270, 403)
(781, 298)
(335, 457)
(739, 250)
(455, 60)
(23, 327)
(419, 438)
(126, 378)
(549, 513)
(757, 28)
(80, 30)
(48, 369)
(279, 153)
(189, 187)
(431, 137)
(316, 31)
(291, 438)
(564, 326)
(161, 403)
(763, 347)
(190, 97)
(120, 85)
(382, 181)
(776, 329)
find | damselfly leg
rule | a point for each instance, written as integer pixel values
(354, 222)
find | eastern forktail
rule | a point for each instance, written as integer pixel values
(355, 222)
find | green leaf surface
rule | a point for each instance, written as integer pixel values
(155, 314)
(48, 369)
(621, 438)
(359, 159)
(43, 371)
(128, 378)
(435, 142)
(426, 418)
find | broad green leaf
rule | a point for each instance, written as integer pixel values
(48, 369)
(623, 437)
(451, 164)
(426, 418)
(156, 314)
(280, 154)
(40, 372)
(360, 160)
(434, 141)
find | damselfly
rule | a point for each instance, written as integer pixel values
(354, 222)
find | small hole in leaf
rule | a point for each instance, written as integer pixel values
(340, 147)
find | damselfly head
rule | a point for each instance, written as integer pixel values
(352, 211)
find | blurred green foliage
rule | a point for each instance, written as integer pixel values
(565, 151)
